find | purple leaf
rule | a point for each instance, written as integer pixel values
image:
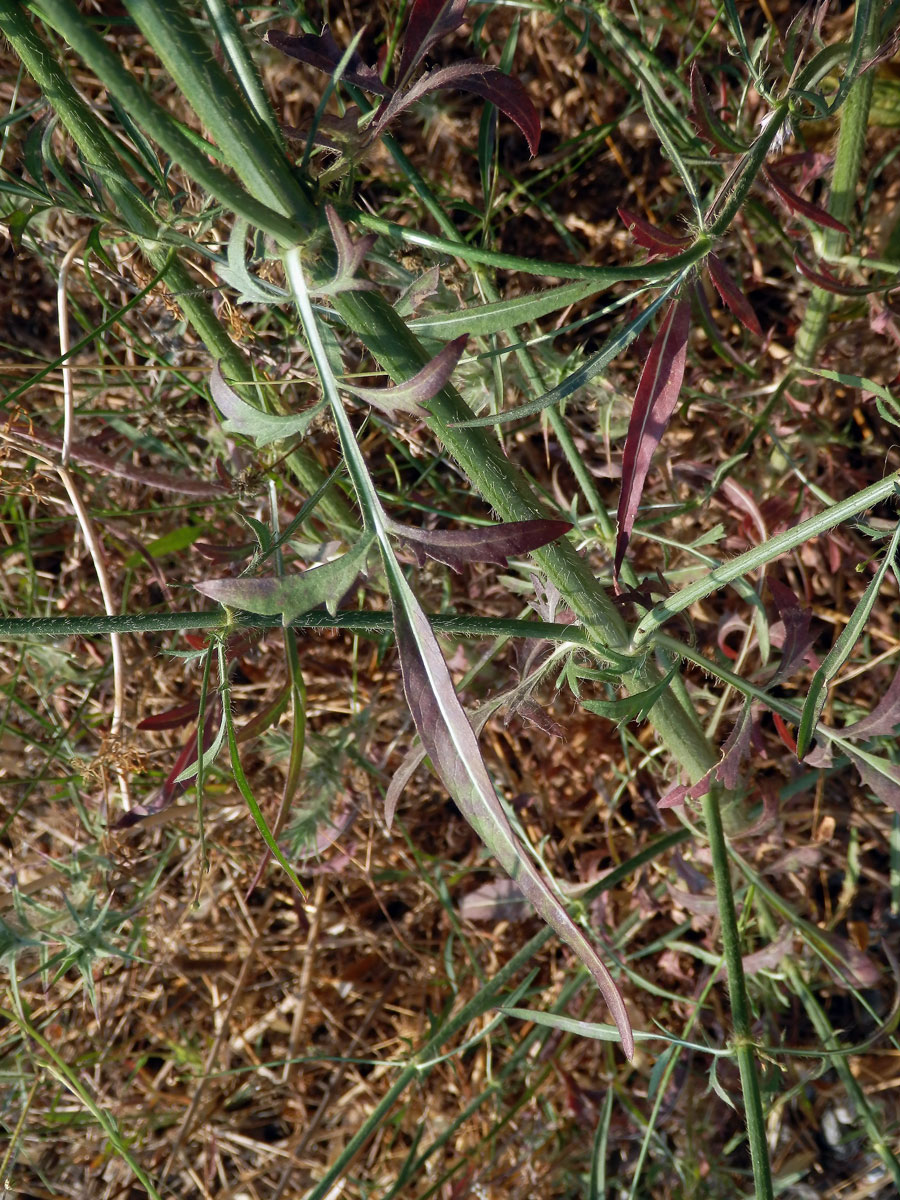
(884, 717)
(732, 295)
(322, 52)
(350, 258)
(824, 279)
(497, 900)
(453, 748)
(172, 718)
(770, 956)
(879, 774)
(429, 21)
(487, 82)
(797, 639)
(529, 710)
(736, 748)
(486, 543)
(654, 403)
(796, 204)
(650, 236)
(407, 396)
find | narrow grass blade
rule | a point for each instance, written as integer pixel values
(654, 403)
(840, 652)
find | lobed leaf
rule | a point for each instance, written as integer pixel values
(654, 403)
(408, 396)
(631, 708)
(482, 80)
(290, 595)
(451, 744)
(486, 543)
(651, 237)
(796, 204)
(243, 418)
(350, 258)
(884, 717)
(707, 122)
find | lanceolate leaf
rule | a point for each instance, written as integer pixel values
(441, 723)
(485, 81)
(654, 403)
(453, 748)
(840, 652)
(732, 295)
(630, 708)
(486, 543)
(502, 316)
(323, 53)
(650, 236)
(429, 21)
(406, 397)
(243, 418)
(290, 595)
(796, 204)
(824, 279)
(710, 128)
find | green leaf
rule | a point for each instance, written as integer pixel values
(886, 402)
(840, 652)
(502, 316)
(250, 289)
(630, 708)
(243, 418)
(290, 595)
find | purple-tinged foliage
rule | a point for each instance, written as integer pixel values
(429, 21)
(796, 204)
(707, 123)
(654, 403)
(409, 395)
(350, 258)
(483, 543)
(732, 296)
(651, 237)
(322, 52)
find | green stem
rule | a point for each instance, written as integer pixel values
(854, 118)
(761, 555)
(745, 1051)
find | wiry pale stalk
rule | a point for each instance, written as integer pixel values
(88, 532)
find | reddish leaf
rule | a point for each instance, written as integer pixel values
(796, 204)
(654, 403)
(650, 236)
(487, 82)
(218, 554)
(450, 742)
(429, 21)
(707, 123)
(736, 748)
(407, 396)
(797, 640)
(785, 734)
(322, 52)
(824, 279)
(732, 295)
(487, 543)
(529, 710)
(884, 717)
(879, 774)
(172, 718)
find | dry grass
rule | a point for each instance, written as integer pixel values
(240, 1035)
